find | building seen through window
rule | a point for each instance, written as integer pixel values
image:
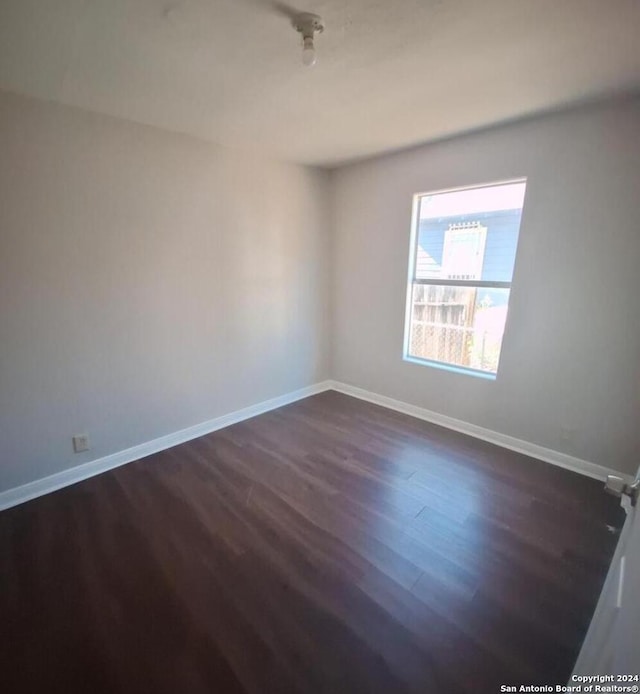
(462, 266)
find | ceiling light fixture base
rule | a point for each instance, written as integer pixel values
(308, 24)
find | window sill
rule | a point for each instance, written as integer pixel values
(451, 368)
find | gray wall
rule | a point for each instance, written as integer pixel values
(569, 375)
(148, 282)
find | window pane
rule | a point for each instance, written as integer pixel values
(458, 325)
(469, 234)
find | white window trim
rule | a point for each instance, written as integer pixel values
(411, 280)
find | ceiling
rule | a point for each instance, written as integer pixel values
(391, 73)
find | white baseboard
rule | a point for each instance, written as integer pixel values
(584, 467)
(45, 485)
(31, 490)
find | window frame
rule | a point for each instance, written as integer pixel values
(476, 284)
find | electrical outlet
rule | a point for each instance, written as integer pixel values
(80, 443)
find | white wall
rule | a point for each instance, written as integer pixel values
(571, 353)
(148, 282)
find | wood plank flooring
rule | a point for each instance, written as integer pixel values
(327, 546)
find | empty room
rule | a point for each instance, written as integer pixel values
(319, 346)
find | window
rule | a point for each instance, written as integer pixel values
(463, 251)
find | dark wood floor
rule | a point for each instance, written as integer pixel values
(328, 546)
